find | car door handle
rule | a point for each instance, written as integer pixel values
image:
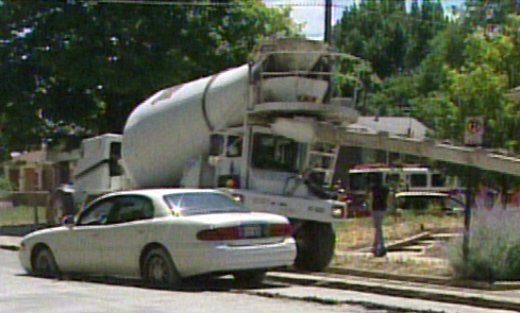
(140, 231)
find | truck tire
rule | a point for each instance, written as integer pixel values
(315, 244)
(61, 204)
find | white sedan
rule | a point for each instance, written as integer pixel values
(163, 236)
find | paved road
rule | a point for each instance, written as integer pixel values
(22, 293)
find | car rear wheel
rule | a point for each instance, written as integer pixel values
(44, 264)
(159, 270)
(250, 278)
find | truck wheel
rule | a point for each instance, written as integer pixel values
(315, 244)
(60, 205)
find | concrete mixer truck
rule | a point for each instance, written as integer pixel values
(253, 130)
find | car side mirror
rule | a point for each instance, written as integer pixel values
(68, 221)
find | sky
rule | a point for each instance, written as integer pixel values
(312, 12)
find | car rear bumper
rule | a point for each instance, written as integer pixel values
(222, 258)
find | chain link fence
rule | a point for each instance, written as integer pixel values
(23, 208)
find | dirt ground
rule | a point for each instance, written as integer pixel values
(354, 238)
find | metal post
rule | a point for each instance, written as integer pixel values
(36, 219)
(328, 21)
(467, 222)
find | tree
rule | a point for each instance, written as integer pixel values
(479, 87)
(468, 71)
(82, 66)
(383, 32)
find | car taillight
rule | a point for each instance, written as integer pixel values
(226, 233)
(280, 230)
(245, 232)
(232, 182)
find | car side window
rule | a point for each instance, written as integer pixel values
(129, 209)
(97, 214)
(419, 180)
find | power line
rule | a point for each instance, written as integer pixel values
(345, 5)
(163, 2)
(311, 3)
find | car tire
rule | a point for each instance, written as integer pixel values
(250, 278)
(159, 270)
(44, 264)
(315, 244)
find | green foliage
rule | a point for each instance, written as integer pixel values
(481, 13)
(353, 77)
(398, 90)
(22, 215)
(466, 70)
(5, 185)
(75, 67)
(388, 36)
(479, 87)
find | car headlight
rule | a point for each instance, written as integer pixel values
(238, 198)
(339, 211)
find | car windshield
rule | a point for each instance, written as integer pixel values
(195, 203)
(423, 202)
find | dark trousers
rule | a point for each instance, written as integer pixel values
(378, 248)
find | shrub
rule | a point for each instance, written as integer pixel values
(494, 247)
(5, 185)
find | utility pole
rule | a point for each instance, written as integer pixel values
(328, 22)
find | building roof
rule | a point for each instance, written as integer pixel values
(514, 93)
(38, 156)
(393, 125)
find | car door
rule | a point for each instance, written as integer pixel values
(81, 245)
(127, 231)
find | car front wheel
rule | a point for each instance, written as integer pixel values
(159, 270)
(44, 264)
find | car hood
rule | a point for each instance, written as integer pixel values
(46, 231)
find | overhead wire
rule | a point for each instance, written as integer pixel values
(343, 4)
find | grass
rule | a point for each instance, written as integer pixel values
(357, 235)
(21, 215)
(399, 266)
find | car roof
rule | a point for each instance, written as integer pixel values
(407, 170)
(421, 194)
(160, 192)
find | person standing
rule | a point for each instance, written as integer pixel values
(379, 194)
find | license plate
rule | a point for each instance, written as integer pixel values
(251, 231)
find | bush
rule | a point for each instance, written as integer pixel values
(494, 247)
(5, 186)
